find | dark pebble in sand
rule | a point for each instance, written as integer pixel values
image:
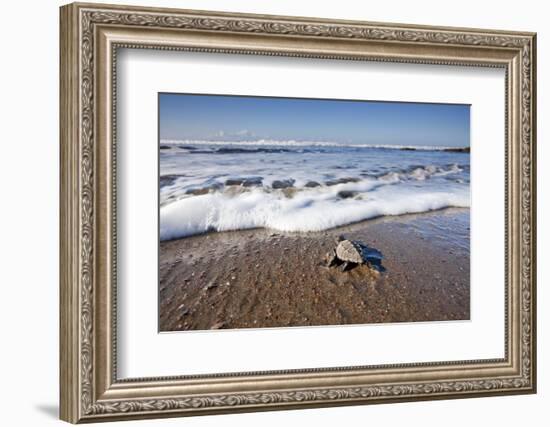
(312, 184)
(284, 183)
(184, 311)
(211, 286)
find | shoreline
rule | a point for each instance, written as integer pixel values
(262, 278)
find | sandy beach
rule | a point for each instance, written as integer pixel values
(260, 278)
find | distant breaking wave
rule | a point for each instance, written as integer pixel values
(296, 143)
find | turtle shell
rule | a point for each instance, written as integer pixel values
(350, 251)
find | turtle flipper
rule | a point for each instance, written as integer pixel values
(331, 259)
(347, 265)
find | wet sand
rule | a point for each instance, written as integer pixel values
(261, 278)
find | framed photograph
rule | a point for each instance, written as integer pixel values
(266, 212)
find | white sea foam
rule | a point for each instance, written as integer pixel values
(314, 210)
(211, 188)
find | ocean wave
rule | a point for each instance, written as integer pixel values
(189, 144)
(320, 189)
(370, 180)
(305, 212)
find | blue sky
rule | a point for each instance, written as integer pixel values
(236, 118)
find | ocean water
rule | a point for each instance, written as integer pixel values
(300, 186)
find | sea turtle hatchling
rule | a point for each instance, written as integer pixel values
(349, 253)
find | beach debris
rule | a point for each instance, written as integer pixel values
(350, 253)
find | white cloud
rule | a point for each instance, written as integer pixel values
(243, 133)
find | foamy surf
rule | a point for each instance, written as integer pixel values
(300, 190)
(305, 211)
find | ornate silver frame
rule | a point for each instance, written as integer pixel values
(90, 36)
